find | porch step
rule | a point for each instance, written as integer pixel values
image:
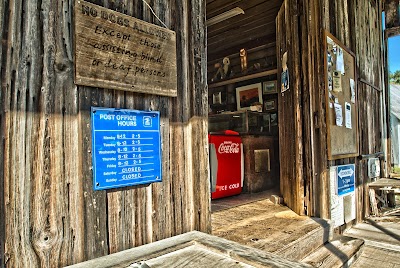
(342, 251)
(272, 228)
(302, 246)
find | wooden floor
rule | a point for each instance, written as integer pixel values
(382, 242)
(242, 199)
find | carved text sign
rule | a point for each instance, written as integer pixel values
(113, 50)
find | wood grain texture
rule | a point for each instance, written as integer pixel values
(2, 138)
(118, 51)
(184, 247)
(52, 215)
(356, 24)
(289, 109)
(392, 15)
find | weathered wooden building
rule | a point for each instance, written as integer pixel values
(51, 216)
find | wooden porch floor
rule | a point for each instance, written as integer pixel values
(267, 226)
(263, 225)
(382, 242)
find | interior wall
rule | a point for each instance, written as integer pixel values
(50, 214)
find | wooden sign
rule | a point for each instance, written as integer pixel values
(113, 50)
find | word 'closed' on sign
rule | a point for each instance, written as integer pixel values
(114, 50)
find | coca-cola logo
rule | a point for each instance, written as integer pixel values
(229, 148)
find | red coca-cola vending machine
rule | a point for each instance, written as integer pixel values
(226, 164)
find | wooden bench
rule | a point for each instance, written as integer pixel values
(383, 192)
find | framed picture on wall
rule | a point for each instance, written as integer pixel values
(270, 87)
(248, 95)
(270, 105)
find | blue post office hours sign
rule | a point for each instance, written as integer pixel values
(126, 147)
(345, 179)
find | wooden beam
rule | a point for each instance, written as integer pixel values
(235, 47)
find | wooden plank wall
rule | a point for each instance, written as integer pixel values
(357, 24)
(50, 214)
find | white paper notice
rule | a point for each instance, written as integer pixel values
(353, 91)
(349, 205)
(337, 205)
(337, 81)
(348, 114)
(339, 114)
(340, 60)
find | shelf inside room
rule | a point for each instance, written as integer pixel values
(242, 78)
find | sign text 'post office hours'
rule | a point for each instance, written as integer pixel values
(126, 147)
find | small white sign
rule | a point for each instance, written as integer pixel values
(374, 168)
(340, 60)
(353, 91)
(339, 114)
(348, 115)
(336, 202)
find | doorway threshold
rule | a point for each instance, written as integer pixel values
(242, 199)
(270, 227)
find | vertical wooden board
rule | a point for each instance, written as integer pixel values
(178, 178)
(18, 148)
(49, 214)
(72, 249)
(160, 207)
(201, 188)
(115, 198)
(95, 202)
(309, 27)
(320, 14)
(2, 139)
(199, 128)
(299, 200)
(8, 86)
(321, 177)
(307, 60)
(134, 199)
(290, 138)
(179, 144)
(162, 191)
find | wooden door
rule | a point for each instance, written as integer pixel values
(289, 108)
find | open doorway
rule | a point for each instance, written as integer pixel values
(394, 99)
(243, 99)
